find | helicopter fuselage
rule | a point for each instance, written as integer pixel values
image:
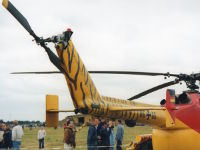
(183, 128)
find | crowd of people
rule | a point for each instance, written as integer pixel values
(100, 135)
(10, 138)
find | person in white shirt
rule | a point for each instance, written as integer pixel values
(41, 135)
(17, 133)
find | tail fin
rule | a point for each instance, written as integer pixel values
(82, 89)
(51, 110)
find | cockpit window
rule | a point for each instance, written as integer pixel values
(182, 99)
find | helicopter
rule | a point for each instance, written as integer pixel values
(175, 121)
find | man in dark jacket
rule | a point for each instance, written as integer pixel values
(92, 140)
(100, 125)
(7, 138)
(105, 136)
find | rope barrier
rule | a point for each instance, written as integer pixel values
(81, 146)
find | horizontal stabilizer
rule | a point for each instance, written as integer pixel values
(54, 111)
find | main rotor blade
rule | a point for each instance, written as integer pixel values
(20, 18)
(105, 72)
(134, 73)
(161, 86)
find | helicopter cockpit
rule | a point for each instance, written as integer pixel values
(182, 99)
(179, 99)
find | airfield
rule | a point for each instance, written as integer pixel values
(54, 137)
(146, 53)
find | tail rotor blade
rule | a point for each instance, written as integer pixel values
(20, 18)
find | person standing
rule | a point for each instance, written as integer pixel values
(17, 133)
(1, 135)
(105, 136)
(41, 135)
(92, 140)
(69, 136)
(7, 138)
(112, 136)
(100, 125)
(119, 135)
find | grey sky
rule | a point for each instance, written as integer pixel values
(143, 35)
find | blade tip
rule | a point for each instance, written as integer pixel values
(5, 3)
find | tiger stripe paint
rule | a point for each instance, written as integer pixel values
(175, 128)
(87, 99)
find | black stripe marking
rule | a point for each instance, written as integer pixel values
(72, 95)
(91, 93)
(84, 102)
(70, 59)
(86, 79)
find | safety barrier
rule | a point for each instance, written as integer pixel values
(77, 147)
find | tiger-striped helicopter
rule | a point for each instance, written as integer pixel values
(176, 123)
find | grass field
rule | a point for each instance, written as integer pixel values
(54, 138)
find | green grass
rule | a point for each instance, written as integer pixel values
(54, 138)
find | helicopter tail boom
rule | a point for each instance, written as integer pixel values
(82, 89)
(87, 100)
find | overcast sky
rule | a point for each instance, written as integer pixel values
(142, 35)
